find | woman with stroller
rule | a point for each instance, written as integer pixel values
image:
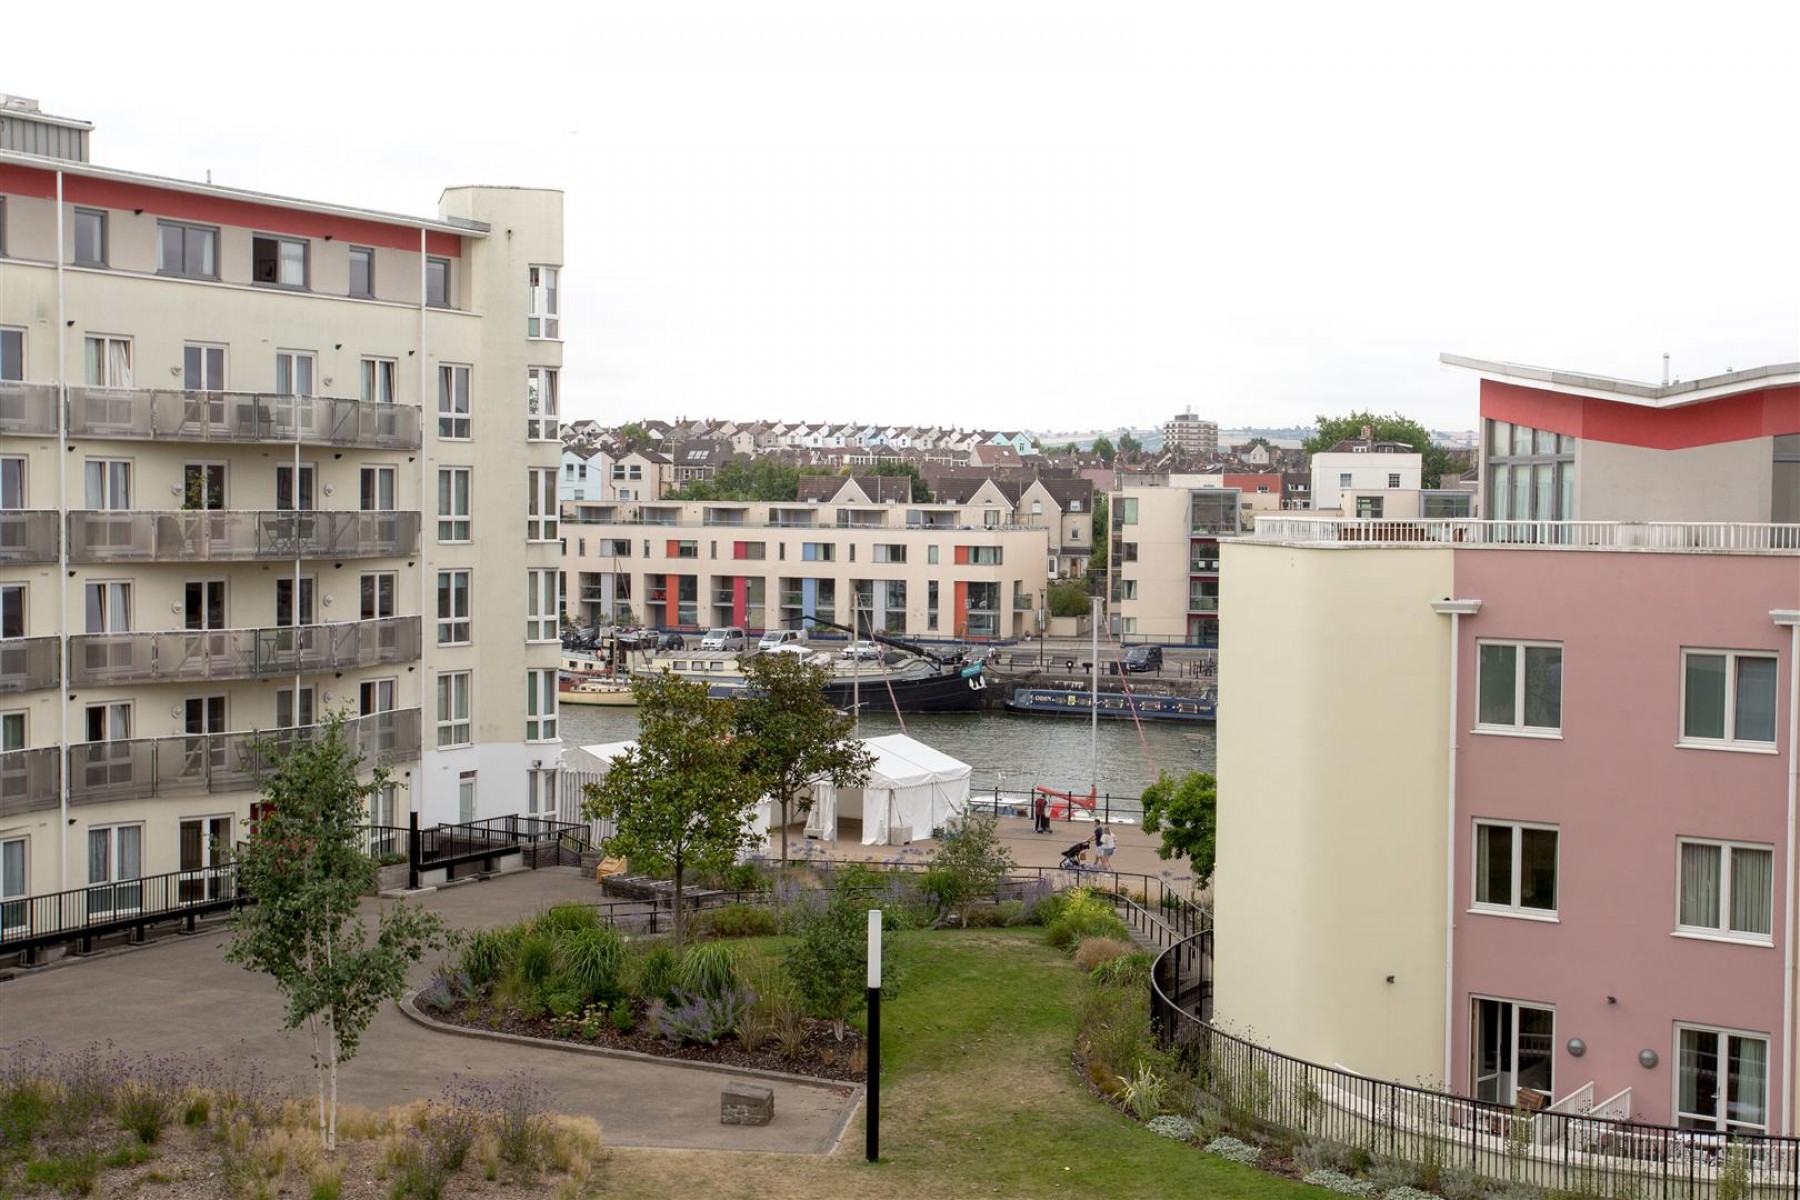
(1104, 844)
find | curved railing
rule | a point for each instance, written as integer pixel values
(1584, 1153)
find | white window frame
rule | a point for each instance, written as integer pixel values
(1722, 1122)
(540, 705)
(541, 609)
(295, 363)
(282, 261)
(383, 587)
(1723, 932)
(377, 488)
(542, 404)
(1730, 741)
(123, 377)
(455, 390)
(115, 867)
(380, 380)
(1517, 885)
(1518, 728)
(454, 522)
(14, 884)
(455, 722)
(455, 628)
(540, 504)
(543, 308)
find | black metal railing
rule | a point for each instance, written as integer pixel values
(1587, 1148)
(32, 923)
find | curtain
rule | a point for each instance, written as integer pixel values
(1747, 1087)
(1700, 886)
(131, 863)
(1752, 891)
(1755, 700)
(118, 364)
(99, 843)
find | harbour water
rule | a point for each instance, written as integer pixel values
(1005, 751)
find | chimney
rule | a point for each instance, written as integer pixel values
(1367, 433)
(27, 129)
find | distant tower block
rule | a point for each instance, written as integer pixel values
(1190, 435)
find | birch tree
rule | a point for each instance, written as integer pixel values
(303, 872)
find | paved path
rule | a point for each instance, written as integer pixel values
(179, 996)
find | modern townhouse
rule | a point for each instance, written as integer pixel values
(1163, 560)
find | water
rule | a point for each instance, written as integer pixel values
(1005, 750)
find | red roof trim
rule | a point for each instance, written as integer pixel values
(1766, 412)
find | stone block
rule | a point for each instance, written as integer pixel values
(746, 1104)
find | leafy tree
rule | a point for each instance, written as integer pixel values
(681, 798)
(1102, 533)
(792, 737)
(969, 862)
(304, 869)
(828, 959)
(1103, 448)
(1070, 450)
(1259, 440)
(1069, 600)
(1130, 448)
(1435, 461)
(1185, 812)
(632, 436)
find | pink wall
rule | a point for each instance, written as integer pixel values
(1621, 792)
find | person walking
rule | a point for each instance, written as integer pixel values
(1106, 843)
(1040, 813)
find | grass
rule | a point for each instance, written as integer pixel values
(979, 1098)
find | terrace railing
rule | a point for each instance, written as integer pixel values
(1692, 536)
(29, 924)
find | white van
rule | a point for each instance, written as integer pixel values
(728, 638)
(782, 637)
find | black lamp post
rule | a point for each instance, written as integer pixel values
(872, 1142)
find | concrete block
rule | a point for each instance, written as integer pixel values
(746, 1104)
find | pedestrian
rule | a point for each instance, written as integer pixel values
(1106, 843)
(1040, 813)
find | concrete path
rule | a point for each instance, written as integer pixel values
(179, 996)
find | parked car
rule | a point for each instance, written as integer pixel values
(1139, 659)
(782, 637)
(867, 651)
(728, 638)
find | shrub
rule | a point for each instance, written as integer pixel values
(707, 969)
(969, 862)
(700, 1020)
(1231, 1149)
(145, 1108)
(1182, 1129)
(523, 1125)
(24, 1105)
(1113, 1033)
(1408, 1192)
(489, 955)
(622, 1019)
(564, 919)
(1129, 971)
(1143, 1093)
(444, 991)
(74, 1175)
(985, 916)
(1092, 952)
(1337, 1181)
(736, 921)
(1318, 1155)
(591, 962)
(1085, 913)
(651, 971)
(827, 961)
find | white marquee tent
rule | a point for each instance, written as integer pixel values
(912, 789)
(602, 756)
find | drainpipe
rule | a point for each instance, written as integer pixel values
(1456, 610)
(1791, 619)
(62, 541)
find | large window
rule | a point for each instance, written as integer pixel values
(540, 606)
(90, 238)
(191, 251)
(541, 405)
(1728, 699)
(540, 706)
(1530, 474)
(1519, 687)
(453, 401)
(453, 504)
(378, 379)
(202, 367)
(437, 282)
(1515, 868)
(108, 361)
(362, 272)
(1513, 1047)
(540, 504)
(115, 852)
(1721, 1080)
(453, 725)
(544, 308)
(294, 370)
(454, 627)
(12, 354)
(1727, 890)
(278, 261)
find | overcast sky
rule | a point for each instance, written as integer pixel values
(1033, 214)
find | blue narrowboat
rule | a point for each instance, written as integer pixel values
(1075, 702)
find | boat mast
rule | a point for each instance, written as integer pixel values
(1094, 700)
(855, 669)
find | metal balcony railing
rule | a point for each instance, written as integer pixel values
(29, 664)
(1717, 537)
(1023, 603)
(28, 535)
(1203, 604)
(102, 772)
(29, 781)
(103, 659)
(169, 415)
(223, 535)
(28, 408)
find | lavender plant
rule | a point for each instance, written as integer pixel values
(701, 1020)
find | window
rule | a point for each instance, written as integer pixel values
(287, 496)
(1344, 479)
(12, 616)
(203, 368)
(12, 354)
(453, 728)
(540, 606)
(540, 504)
(541, 405)
(115, 852)
(453, 504)
(1726, 889)
(278, 262)
(286, 611)
(1369, 507)
(203, 604)
(684, 549)
(107, 483)
(453, 401)
(437, 282)
(465, 797)
(540, 706)
(90, 238)
(378, 380)
(12, 884)
(1529, 474)
(376, 696)
(362, 272)
(454, 624)
(294, 370)
(1728, 699)
(1393, 479)
(931, 604)
(1721, 1080)
(1515, 867)
(931, 554)
(1519, 687)
(543, 307)
(890, 553)
(108, 361)
(1513, 1047)
(818, 552)
(288, 714)
(1126, 511)
(377, 489)
(191, 251)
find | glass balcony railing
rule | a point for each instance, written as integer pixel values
(140, 768)
(29, 780)
(28, 535)
(224, 535)
(29, 664)
(28, 408)
(179, 416)
(106, 659)
(1203, 604)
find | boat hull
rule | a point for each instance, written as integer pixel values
(1113, 706)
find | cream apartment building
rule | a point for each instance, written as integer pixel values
(930, 571)
(265, 459)
(1163, 561)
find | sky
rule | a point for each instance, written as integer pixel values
(1046, 215)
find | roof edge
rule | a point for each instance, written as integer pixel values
(1625, 391)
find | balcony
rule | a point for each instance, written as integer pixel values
(1203, 566)
(1203, 604)
(28, 535)
(29, 664)
(28, 781)
(239, 417)
(1022, 602)
(28, 409)
(178, 656)
(100, 772)
(227, 535)
(1694, 537)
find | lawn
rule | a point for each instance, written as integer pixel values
(979, 1098)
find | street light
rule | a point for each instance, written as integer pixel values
(872, 1140)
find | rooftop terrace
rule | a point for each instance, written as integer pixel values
(1661, 537)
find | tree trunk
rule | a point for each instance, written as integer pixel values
(678, 903)
(318, 1037)
(784, 825)
(331, 1137)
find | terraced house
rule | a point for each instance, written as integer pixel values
(249, 445)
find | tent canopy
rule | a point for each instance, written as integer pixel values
(912, 788)
(603, 753)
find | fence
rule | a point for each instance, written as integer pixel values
(32, 923)
(1706, 536)
(1586, 1149)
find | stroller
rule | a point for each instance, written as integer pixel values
(1075, 857)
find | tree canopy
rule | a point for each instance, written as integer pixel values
(791, 736)
(1185, 812)
(1434, 460)
(1130, 447)
(681, 799)
(1103, 448)
(304, 870)
(921, 491)
(1069, 600)
(1102, 530)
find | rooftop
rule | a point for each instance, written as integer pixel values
(1648, 395)
(1657, 537)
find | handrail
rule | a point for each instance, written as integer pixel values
(1711, 537)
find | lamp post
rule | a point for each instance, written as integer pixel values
(872, 1140)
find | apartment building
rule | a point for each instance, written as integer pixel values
(929, 571)
(1163, 561)
(240, 489)
(1358, 467)
(1533, 830)
(1190, 435)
